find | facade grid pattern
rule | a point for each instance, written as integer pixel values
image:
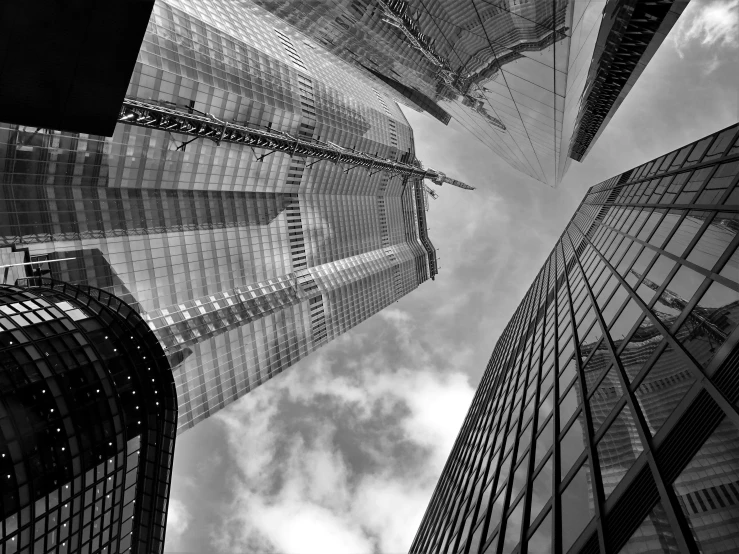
(607, 419)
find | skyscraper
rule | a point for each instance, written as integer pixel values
(257, 199)
(535, 81)
(88, 416)
(607, 420)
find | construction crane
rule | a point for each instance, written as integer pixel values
(146, 114)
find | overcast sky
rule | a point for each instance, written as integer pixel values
(341, 452)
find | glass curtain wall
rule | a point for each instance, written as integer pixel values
(607, 419)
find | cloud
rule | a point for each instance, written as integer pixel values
(711, 24)
(342, 454)
(178, 520)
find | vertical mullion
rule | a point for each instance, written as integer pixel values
(526, 518)
(592, 456)
(531, 313)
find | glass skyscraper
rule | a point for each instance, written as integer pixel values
(536, 81)
(241, 258)
(88, 416)
(607, 419)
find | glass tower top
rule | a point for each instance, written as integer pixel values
(535, 81)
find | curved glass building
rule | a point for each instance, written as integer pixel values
(88, 416)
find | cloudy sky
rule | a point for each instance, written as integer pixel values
(340, 454)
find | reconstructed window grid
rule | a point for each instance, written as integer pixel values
(607, 417)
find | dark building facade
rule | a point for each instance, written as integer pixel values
(73, 75)
(607, 419)
(535, 81)
(88, 417)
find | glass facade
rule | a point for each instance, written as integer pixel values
(534, 81)
(241, 260)
(88, 415)
(608, 417)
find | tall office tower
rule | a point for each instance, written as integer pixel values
(607, 419)
(536, 81)
(88, 415)
(257, 199)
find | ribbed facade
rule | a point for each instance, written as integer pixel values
(536, 81)
(607, 420)
(241, 260)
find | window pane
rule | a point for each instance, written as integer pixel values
(654, 535)
(568, 405)
(608, 393)
(546, 406)
(513, 529)
(663, 387)
(698, 151)
(541, 541)
(567, 374)
(641, 264)
(616, 301)
(677, 295)
(685, 232)
(664, 228)
(542, 489)
(719, 183)
(645, 340)
(625, 321)
(572, 445)
(654, 278)
(710, 323)
(714, 241)
(618, 449)
(704, 491)
(578, 497)
(543, 442)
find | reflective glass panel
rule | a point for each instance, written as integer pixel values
(654, 278)
(578, 497)
(572, 444)
(663, 387)
(569, 404)
(605, 397)
(710, 323)
(707, 491)
(685, 232)
(541, 541)
(542, 489)
(654, 535)
(625, 321)
(544, 442)
(513, 529)
(677, 294)
(618, 449)
(716, 238)
(644, 340)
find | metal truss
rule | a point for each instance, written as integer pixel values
(145, 114)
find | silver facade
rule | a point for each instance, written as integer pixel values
(242, 260)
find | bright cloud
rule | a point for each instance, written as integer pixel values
(356, 476)
(178, 520)
(708, 23)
